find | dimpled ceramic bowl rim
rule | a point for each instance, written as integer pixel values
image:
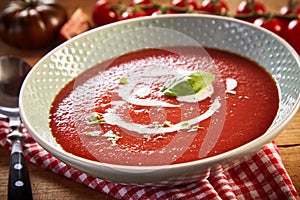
(66, 61)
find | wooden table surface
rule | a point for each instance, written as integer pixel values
(47, 185)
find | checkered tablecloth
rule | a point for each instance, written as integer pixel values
(262, 176)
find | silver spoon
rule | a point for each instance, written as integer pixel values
(13, 70)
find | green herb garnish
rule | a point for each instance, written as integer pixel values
(95, 118)
(168, 123)
(188, 84)
(195, 128)
(123, 80)
(110, 135)
(185, 125)
(93, 133)
(156, 124)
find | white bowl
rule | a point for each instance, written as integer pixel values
(65, 62)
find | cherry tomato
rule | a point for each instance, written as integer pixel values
(293, 32)
(298, 12)
(191, 4)
(131, 13)
(178, 3)
(272, 24)
(286, 10)
(290, 9)
(176, 10)
(147, 5)
(250, 10)
(214, 7)
(251, 7)
(141, 2)
(285, 21)
(103, 14)
(177, 6)
(151, 10)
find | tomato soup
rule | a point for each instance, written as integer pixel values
(164, 106)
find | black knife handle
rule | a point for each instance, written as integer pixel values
(19, 186)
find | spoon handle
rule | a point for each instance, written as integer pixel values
(19, 186)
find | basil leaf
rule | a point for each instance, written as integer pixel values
(188, 84)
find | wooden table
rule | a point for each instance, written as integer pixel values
(47, 185)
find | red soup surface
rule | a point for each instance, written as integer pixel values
(119, 111)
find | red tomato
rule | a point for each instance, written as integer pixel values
(287, 13)
(285, 21)
(132, 13)
(191, 4)
(285, 10)
(78, 23)
(290, 9)
(293, 33)
(147, 5)
(151, 10)
(141, 2)
(250, 7)
(214, 7)
(177, 6)
(298, 12)
(272, 24)
(178, 3)
(175, 10)
(103, 14)
(250, 10)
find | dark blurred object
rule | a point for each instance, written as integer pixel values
(31, 24)
(11, 80)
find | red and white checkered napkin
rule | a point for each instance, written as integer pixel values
(262, 176)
